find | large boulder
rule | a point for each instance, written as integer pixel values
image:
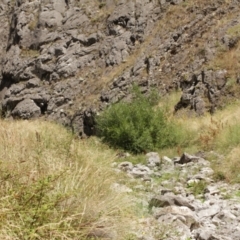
(26, 109)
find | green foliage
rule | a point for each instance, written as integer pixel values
(198, 188)
(138, 126)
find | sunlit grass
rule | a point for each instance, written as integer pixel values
(54, 186)
(219, 133)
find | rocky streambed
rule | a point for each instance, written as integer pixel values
(179, 199)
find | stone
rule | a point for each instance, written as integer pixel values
(140, 171)
(209, 212)
(125, 166)
(26, 109)
(189, 217)
(225, 215)
(212, 190)
(153, 159)
(186, 158)
(205, 234)
(167, 160)
(60, 5)
(169, 200)
(33, 83)
(50, 19)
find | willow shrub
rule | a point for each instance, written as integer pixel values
(138, 126)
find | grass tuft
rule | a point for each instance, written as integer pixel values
(54, 186)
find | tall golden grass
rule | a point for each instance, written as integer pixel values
(54, 186)
(218, 134)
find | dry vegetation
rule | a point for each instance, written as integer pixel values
(228, 59)
(54, 186)
(217, 135)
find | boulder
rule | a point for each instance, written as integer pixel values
(26, 109)
(153, 159)
(125, 166)
(189, 218)
(169, 200)
(140, 171)
(186, 158)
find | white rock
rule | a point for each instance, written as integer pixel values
(209, 212)
(167, 160)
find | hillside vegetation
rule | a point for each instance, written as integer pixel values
(140, 127)
(54, 186)
(69, 66)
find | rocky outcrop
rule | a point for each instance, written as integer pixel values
(202, 92)
(73, 58)
(182, 199)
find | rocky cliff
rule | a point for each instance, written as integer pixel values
(65, 60)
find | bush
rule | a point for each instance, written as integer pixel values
(137, 126)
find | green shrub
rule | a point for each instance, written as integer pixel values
(137, 126)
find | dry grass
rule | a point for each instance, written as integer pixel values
(229, 167)
(229, 60)
(54, 186)
(29, 53)
(220, 134)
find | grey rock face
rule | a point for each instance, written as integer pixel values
(140, 171)
(207, 85)
(77, 57)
